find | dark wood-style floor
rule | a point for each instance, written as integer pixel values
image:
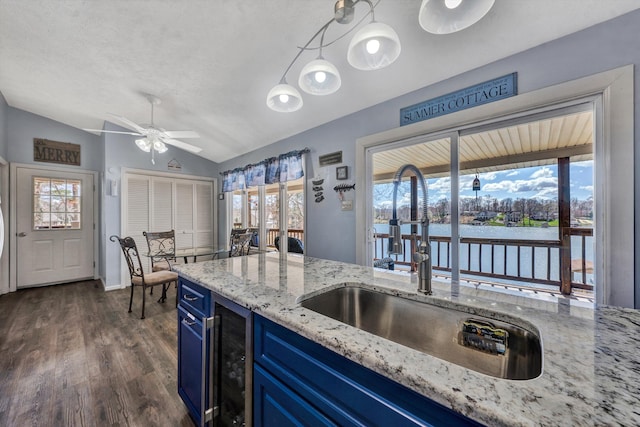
(71, 355)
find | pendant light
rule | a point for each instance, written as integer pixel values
(320, 77)
(284, 98)
(374, 46)
(449, 16)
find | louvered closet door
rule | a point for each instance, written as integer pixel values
(162, 199)
(137, 212)
(160, 203)
(204, 214)
(185, 202)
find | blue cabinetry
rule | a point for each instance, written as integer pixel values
(298, 382)
(194, 347)
(214, 357)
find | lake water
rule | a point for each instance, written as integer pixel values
(495, 232)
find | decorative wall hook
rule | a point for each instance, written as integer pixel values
(342, 188)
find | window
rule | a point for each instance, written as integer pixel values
(273, 206)
(509, 225)
(56, 203)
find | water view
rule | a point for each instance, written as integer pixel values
(540, 266)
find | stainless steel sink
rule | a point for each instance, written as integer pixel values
(484, 345)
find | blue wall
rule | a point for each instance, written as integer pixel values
(24, 126)
(106, 154)
(330, 232)
(120, 151)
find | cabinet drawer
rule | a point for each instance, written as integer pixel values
(194, 298)
(345, 391)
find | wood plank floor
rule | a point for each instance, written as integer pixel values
(71, 355)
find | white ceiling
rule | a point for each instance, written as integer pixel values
(213, 62)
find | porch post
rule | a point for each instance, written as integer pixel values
(564, 224)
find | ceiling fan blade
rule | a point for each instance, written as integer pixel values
(181, 134)
(113, 131)
(128, 123)
(182, 145)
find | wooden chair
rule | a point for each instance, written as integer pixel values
(162, 278)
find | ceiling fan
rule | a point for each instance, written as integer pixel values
(154, 138)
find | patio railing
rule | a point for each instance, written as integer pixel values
(532, 261)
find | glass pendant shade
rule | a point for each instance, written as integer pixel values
(319, 77)
(144, 144)
(374, 46)
(160, 146)
(284, 98)
(447, 16)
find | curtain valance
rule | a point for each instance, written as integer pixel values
(285, 167)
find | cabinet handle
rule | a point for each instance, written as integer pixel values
(188, 323)
(189, 297)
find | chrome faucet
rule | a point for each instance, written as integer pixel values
(422, 256)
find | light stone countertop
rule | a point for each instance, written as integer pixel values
(591, 360)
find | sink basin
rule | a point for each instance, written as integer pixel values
(479, 343)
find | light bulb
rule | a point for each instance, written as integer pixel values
(452, 4)
(159, 146)
(373, 46)
(320, 76)
(143, 144)
(284, 98)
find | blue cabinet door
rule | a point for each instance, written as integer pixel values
(277, 406)
(338, 388)
(190, 363)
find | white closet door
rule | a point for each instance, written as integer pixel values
(137, 214)
(162, 198)
(184, 214)
(162, 203)
(204, 214)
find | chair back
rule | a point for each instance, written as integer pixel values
(131, 255)
(294, 245)
(240, 243)
(161, 244)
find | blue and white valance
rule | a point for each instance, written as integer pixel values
(285, 167)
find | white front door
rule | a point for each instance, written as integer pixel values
(54, 226)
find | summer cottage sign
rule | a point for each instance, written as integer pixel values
(483, 93)
(45, 150)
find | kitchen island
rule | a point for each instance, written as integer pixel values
(591, 374)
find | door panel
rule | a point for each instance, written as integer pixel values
(54, 225)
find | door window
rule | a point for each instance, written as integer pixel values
(56, 203)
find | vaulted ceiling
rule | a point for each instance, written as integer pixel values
(213, 62)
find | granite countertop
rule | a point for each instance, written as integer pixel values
(591, 367)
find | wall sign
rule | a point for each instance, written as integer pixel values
(330, 159)
(174, 165)
(45, 150)
(483, 93)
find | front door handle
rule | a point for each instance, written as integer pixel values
(22, 234)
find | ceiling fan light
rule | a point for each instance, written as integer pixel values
(144, 144)
(374, 46)
(160, 146)
(319, 77)
(284, 98)
(439, 17)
